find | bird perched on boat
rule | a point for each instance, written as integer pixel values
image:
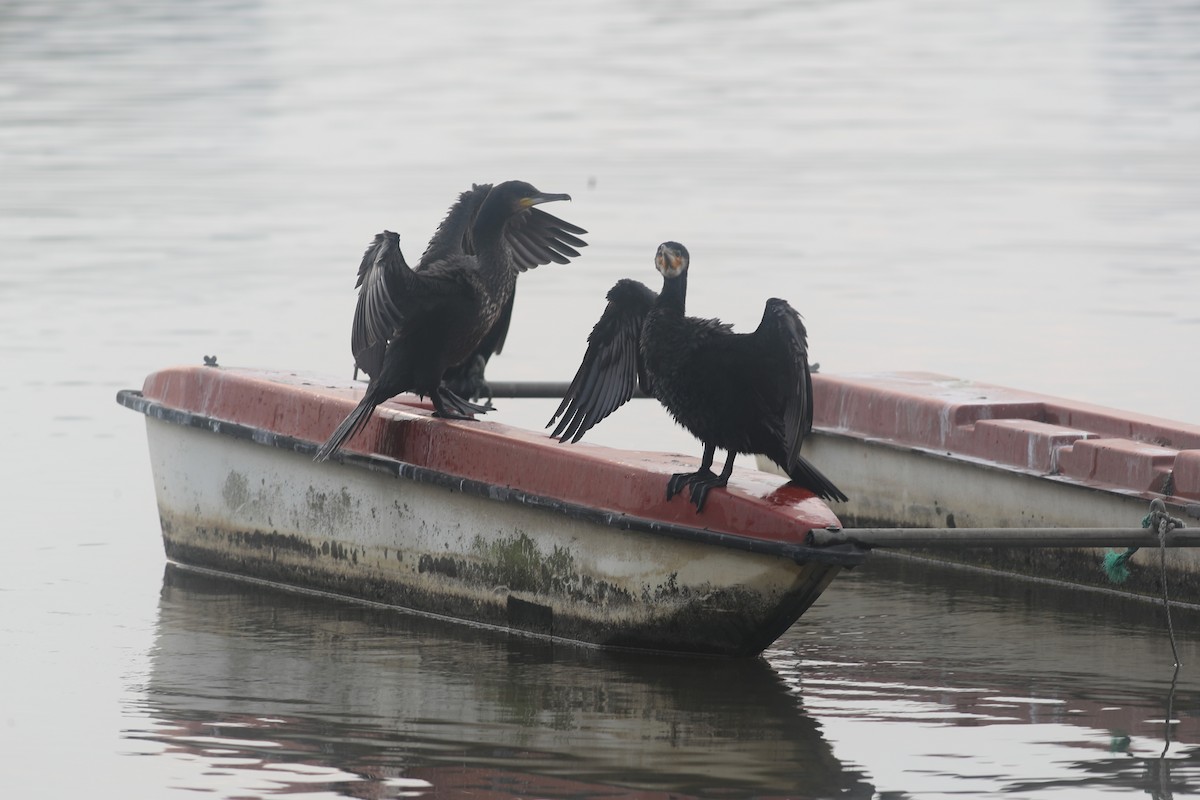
(741, 392)
(413, 325)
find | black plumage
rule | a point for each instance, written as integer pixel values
(411, 326)
(740, 392)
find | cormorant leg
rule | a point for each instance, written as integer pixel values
(442, 408)
(467, 380)
(700, 488)
(682, 479)
(478, 384)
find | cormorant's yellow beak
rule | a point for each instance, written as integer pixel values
(526, 202)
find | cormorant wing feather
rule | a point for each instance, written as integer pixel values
(783, 331)
(538, 238)
(453, 235)
(612, 365)
(382, 277)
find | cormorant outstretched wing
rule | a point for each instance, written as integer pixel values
(782, 331)
(538, 238)
(382, 276)
(535, 236)
(612, 365)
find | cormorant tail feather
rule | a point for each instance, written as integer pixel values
(352, 424)
(811, 478)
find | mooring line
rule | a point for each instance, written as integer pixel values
(1164, 527)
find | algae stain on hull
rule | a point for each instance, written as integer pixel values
(329, 511)
(235, 491)
(517, 564)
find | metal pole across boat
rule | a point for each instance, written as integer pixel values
(551, 390)
(1002, 537)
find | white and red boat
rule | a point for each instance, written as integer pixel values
(474, 521)
(921, 450)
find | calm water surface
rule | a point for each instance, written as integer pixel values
(1004, 192)
(878, 691)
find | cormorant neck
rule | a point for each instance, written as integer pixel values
(488, 235)
(674, 292)
(490, 221)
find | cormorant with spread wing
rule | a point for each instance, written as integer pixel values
(741, 392)
(412, 326)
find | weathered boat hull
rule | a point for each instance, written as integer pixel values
(922, 450)
(249, 501)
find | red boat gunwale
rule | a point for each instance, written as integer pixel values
(1023, 431)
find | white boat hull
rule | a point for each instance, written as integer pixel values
(266, 513)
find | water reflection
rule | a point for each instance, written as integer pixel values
(1021, 689)
(935, 681)
(272, 692)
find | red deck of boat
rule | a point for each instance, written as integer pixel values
(1039, 434)
(308, 407)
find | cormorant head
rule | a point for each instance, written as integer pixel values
(671, 259)
(514, 196)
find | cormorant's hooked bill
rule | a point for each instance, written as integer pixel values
(671, 259)
(538, 199)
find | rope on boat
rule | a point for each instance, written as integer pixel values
(1116, 565)
(1162, 561)
(1160, 523)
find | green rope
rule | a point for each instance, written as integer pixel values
(1116, 565)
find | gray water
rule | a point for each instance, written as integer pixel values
(1008, 192)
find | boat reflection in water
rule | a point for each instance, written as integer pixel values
(260, 691)
(909, 681)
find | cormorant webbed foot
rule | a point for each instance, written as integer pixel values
(681, 480)
(701, 488)
(702, 480)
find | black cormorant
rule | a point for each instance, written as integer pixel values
(412, 326)
(741, 392)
